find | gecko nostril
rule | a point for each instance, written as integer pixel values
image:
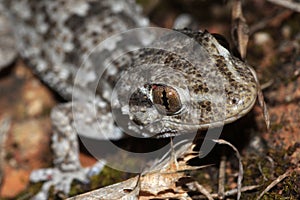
(234, 100)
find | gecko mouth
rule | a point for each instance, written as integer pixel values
(203, 126)
(166, 127)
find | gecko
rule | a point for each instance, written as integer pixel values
(157, 92)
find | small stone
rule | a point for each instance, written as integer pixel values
(38, 99)
(286, 31)
(262, 38)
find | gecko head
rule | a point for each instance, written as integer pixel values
(165, 110)
(197, 86)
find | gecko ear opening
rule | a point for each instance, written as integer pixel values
(223, 41)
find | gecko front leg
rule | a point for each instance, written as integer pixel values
(67, 166)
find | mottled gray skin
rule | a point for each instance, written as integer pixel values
(213, 86)
(8, 51)
(55, 38)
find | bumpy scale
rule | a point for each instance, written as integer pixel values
(192, 83)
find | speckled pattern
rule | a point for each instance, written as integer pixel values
(54, 37)
(212, 86)
(205, 83)
(56, 45)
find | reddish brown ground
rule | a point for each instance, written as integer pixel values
(24, 99)
(28, 102)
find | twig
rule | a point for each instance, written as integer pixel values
(275, 182)
(261, 100)
(240, 29)
(173, 157)
(241, 170)
(273, 21)
(287, 4)
(201, 189)
(267, 84)
(272, 168)
(243, 189)
(232, 192)
(261, 171)
(221, 188)
(272, 164)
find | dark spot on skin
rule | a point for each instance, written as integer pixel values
(71, 57)
(208, 109)
(73, 21)
(233, 101)
(94, 34)
(65, 38)
(207, 102)
(95, 41)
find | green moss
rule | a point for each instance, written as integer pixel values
(107, 176)
(144, 3)
(276, 127)
(289, 188)
(30, 191)
(78, 188)
(286, 189)
(261, 170)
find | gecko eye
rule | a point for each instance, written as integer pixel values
(166, 99)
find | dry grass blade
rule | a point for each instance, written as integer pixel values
(231, 192)
(275, 182)
(240, 29)
(261, 100)
(201, 189)
(272, 21)
(287, 4)
(241, 170)
(265, 109)
(221, 186)
(243, 189)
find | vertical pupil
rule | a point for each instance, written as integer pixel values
(164, 99)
